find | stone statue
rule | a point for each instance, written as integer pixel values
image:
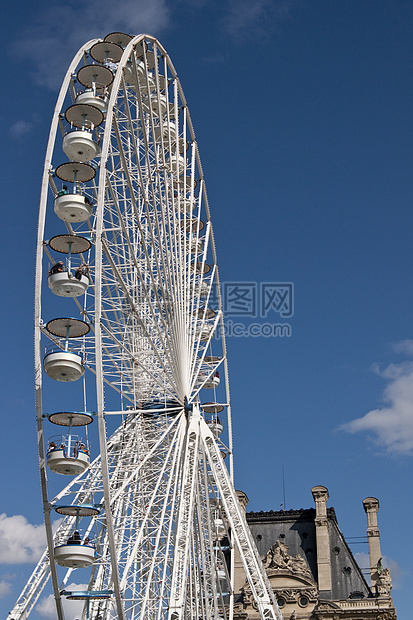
(278, 558)
(383, 583)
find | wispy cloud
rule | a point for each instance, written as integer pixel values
(20, 541)
(405, 346)
(363, 561)
(396, 572)
(392, 424)
(5, 588)
(258, 18)
(58, 32)
(21, 128)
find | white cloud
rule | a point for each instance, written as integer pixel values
(20, 541)
(392, 424)
(257, 18)
(58, 32)
(363, 561)
(405, 346)
(46, 607)
(5, 588)
(395, 569)
(72, 609)
(21, 128)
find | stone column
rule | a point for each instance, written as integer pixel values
(371, 506)
(240, 577)
(320, 495)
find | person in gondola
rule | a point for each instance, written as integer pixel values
(79, 272)
(74, 539)
(82, 448)
(63, 191)
(82, 270)
(57, 268)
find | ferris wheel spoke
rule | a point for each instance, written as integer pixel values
(172, 464)
(136, 312)
(144, 460)
(157, 315)
(197, 372)
(183, 525)
(136, 266)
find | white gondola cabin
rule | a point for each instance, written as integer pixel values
(90, 97)
(79, 145)
(68, 455)
(201, 289)
(158, 105)
(63, 365)
(203, 332)
(209, 383)
(75, 552)
(75, 556)
(65, 284)
(220, 530)
(60, 463)
(177, 164)
(72, 208)
(196, 245)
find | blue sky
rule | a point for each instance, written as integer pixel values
(303, 115)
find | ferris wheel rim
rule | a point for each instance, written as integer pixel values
(188, 225)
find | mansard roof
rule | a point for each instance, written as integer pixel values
(296, 528)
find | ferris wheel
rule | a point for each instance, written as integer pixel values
(129, 347)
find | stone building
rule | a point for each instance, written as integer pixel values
(310, 567)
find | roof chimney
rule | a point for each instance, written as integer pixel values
(371, 506)
(320, 495)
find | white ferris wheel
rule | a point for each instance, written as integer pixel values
(129, 347)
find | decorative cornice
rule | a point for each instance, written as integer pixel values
(303, 514)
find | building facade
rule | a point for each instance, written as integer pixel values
(311, 568)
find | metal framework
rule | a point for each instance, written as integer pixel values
(134, 332)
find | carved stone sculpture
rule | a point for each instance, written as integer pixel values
(278, 558)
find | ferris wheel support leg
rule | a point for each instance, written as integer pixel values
(254, 570)
(183, 526)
